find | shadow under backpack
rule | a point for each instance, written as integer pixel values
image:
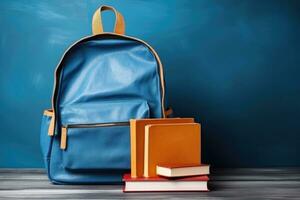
(101, 82)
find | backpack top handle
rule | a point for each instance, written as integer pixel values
(97, 26)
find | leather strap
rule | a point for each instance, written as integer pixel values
(168, 112)
(97, 26)
(50, 113)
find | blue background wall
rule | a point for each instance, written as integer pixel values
(234, 65)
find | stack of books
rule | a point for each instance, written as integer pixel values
(166, 156)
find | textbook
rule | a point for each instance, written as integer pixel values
(137, 140)
(171, 144)
(182, 171)
(160, 184)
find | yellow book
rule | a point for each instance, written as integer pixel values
(172, 145)
(137, 139)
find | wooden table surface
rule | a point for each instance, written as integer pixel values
(279, 183)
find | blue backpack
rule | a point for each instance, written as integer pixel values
(101, 82)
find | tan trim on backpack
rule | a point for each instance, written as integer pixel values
(48, 112)
(51, 126)
(63, 138)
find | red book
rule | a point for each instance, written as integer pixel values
(161, 184)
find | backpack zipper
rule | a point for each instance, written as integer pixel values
(64, 129)
(97, 125)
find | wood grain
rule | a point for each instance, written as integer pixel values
(283, 183)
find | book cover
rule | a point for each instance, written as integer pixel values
(154, 184)
(137, 139)
(171, 144)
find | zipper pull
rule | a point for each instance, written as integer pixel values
(63, 138)
(51, 126)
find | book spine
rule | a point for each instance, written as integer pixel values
(200, 150)
(146, 152)
(133, 148)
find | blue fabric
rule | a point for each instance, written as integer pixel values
(102, 80)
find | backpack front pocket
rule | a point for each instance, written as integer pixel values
(96, 146)
(101, 145)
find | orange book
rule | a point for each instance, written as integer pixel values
(137, 139)
(171, 144)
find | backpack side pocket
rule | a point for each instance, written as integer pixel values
(45, 139)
